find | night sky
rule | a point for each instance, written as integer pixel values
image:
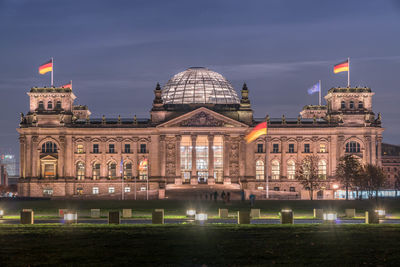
(116, 51)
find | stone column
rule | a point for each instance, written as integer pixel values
(62, 155)
(162, 155)
(379, 152)
(242, 157)
(226, 156)
(103, 150)
(22, 149)
(299, 139)
(119, 150)
(28, 151)
(283, 157)
(367, 149)
(193, 179)
(340, 148)
(315, 145)
(178, 156)
(330, 163)
(35, 157)
(373, 149)
(210, 157)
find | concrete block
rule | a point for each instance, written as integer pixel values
(286, 217)
(223, 213)
(127, 213)
(243, 217)
(95, 213)
(350, 213)
(27, 217)
(255, 213)
(70, 217)
(61, 212)
(114, 217)
(319, 214)
(371, 217)
(157, 217)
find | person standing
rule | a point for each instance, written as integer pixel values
(223, 196)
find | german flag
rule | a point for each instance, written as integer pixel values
(46, 67)
(260, 129)
(68, 85)
(342, 66)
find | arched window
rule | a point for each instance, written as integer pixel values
(49, 105)
(112, 170)
(360, 105)
(49, 147)
(128, 170)
(41, 105)
(143, 169)
(351, 104)
(80, 171)
(353, 147)
(275, 169)
(58, 105)
(260, 170)
(96, 171)
(322, 169)
(343, 105)
(291, 169)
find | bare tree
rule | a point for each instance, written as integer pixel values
(308, 174)
(348, 172)
(375, 178)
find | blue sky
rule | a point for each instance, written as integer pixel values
(116, 51)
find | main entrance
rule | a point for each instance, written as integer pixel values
(202, 177)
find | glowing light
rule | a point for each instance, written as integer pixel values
(191, 213)
(201, 217)
(1, 213)
(330, 216)
(335, 186)
(381, 213)
(260, 188)
(70, 217)
(286, 210)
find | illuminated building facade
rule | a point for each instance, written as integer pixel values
(194, 137)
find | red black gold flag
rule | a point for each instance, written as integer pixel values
(342, 66)
(46, 67)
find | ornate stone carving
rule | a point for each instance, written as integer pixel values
(170, 154)
(202, 119)
(234, 156)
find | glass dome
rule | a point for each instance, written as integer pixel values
(198, 85)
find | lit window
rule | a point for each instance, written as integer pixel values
(80, 149)
(291, 148)
(111, 190)
(143, 169)
(80, 171)
(111, 148)
(95, 190)
(112, 170)
(48, 192)
(218, 149)
(79, 191)
(275, 148)
(127, 189)
(260, 148)
(322, 148)
(260, 174)
(275, 169)
(322, 169)
(96, 171)
(306, 148)
(128, 170)
(186, 158)
(49, 170)
(291, 169)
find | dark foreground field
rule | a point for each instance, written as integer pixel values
(187, 245)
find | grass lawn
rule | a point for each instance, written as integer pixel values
(177, 208)
(182, 245)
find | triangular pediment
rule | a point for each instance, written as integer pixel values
(48, 158)
(202, 117)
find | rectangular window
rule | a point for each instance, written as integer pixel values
(127, 190)
(292, 189)
(79, 191)
(80, 149)
(291, 148)
(276, 188)
(96, 148)
(143, 148)
(111, 148)
(275, 148)
(306, 148)
(49, 171)
(127, 148)
(95, 190)
(48, 192)
(218, 148)
(260, 148)
(186, 157)
(111, 190)
(322, 148)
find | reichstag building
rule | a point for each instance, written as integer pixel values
(194, 138)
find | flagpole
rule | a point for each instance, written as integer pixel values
(265, 169)
(52, 70)
(348, 72)
(319, 97)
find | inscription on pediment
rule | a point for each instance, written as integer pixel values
(202, 119)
